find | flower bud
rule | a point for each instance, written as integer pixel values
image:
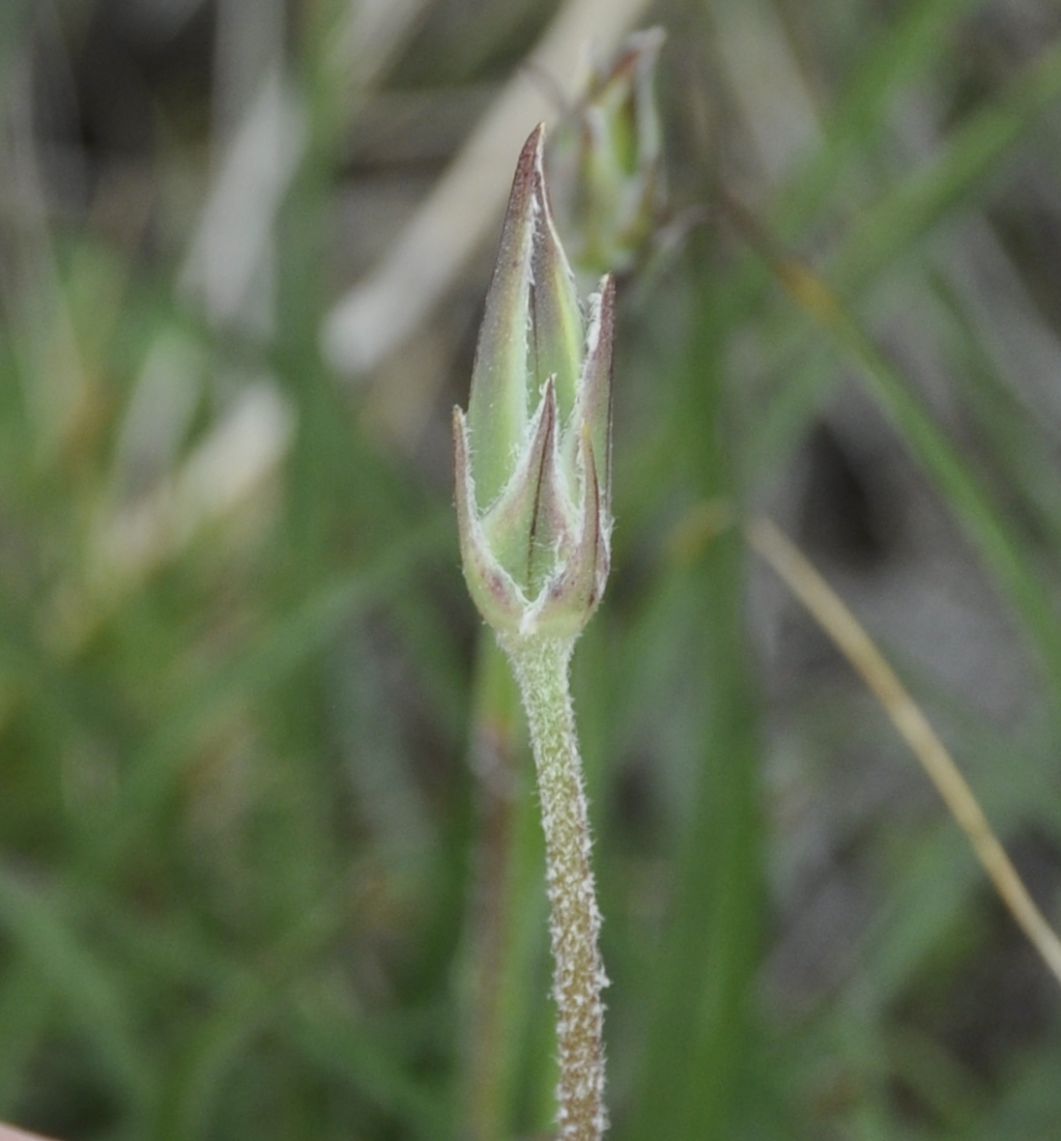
(533, 455)
(610, 161)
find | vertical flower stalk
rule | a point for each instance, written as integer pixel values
(542, 672)
(533, 475)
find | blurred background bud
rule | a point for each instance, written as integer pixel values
(609, 185)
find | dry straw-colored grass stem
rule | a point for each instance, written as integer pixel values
(855, 644)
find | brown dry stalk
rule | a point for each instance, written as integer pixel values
(822, 602)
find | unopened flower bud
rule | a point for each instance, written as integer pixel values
(611, 189)
(533, 453)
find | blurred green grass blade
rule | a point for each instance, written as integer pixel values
(284, 647)
(1017, 438)
(928, 904)
(862, 1047)
(531, 1075)
(720, 903)
(800, 397)
(910, 43)
(950, 1090)
(1027, 1101)
(93, 997)
(436, 657)
(508, 918)
(700, 1022)
(1003, 549)
(25, 1011)
(191, 1093)
(935, 883)
(362, 1058)
(15, 25)
(958, 175)
(271, 999)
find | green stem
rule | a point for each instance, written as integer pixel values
(493, 757)
(541, 669)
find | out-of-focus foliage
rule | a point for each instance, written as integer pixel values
(239, 833)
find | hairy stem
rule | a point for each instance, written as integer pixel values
(541, 668)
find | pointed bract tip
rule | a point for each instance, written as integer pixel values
(530, 157)
(641, 50)
(525, 180)
(606, 289)
(535, 146)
